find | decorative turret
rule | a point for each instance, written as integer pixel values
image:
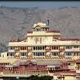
(40, 27)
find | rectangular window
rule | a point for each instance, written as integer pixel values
(11, 48)
(34, 54)
(10, 54)
(23, 48)
(55, 47)
(33, 48)
(7, 54)
(54, 53)
(23, 54)
(39, 54)
(68, 47)
(76, 54)
(68, 53)
(76, 46)
(38, 47)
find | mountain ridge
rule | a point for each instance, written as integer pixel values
(15, 22)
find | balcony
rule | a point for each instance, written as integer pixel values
(38, 50)
(23, 50)
(56, 50)
(14, 50)
(17, 44)
(38, 57)
(23, 57)
(11, 50)
(73, 50)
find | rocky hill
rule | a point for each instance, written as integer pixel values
(15, 22)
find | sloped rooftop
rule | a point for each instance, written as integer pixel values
(47, 61)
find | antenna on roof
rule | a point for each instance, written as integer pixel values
(48, 22)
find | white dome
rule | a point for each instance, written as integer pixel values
(17, 54)
(48, 54)
(29, 54)
(40, 24)
(47, 47)
(62, 53)
(29, 48)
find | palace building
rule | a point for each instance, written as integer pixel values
(42, 52)
(42, 42)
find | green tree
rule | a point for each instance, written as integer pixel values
(36, 77)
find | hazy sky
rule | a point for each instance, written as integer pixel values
(40, 4)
